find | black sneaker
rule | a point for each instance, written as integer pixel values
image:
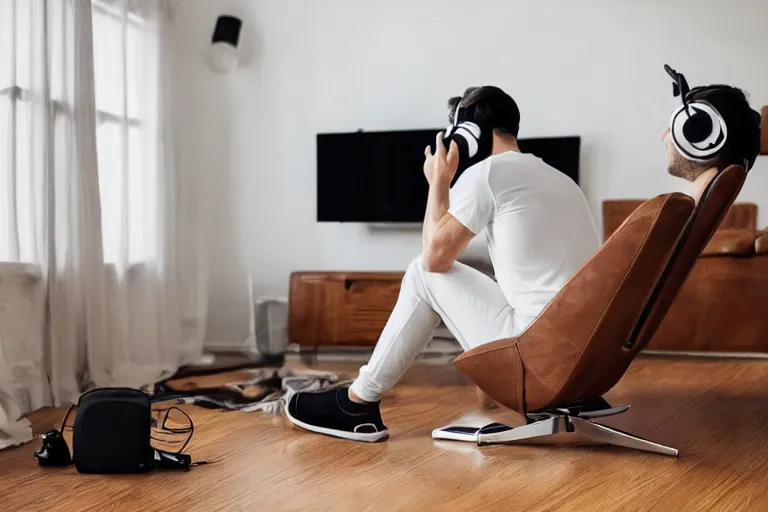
(332, 413)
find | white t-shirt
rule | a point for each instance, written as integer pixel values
(539, 227)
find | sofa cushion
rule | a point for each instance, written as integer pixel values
(761, 244)
(731, 242)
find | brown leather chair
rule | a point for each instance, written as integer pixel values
(557, 370)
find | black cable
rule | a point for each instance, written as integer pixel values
(66, 416)
(171, 430)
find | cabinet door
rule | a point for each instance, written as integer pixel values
(368, 303)
(341, 308)
(313, 317)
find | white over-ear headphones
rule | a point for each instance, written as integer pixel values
(467, 130)
(473, 139)
(697, 129)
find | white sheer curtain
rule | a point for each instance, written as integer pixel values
(101, 270)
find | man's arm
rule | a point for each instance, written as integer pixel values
(445, 238)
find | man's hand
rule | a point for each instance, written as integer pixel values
(441, 167)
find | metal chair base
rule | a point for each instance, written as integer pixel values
(573, 419)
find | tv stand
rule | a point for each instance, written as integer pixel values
(340, 308)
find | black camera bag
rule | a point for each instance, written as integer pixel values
(112, 432)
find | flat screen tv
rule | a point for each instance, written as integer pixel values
(377, 177)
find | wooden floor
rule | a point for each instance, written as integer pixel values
(714, 411)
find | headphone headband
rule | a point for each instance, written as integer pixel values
(680, 84)
(456, 114)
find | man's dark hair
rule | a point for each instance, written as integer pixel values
(742, 122)
(488, 106)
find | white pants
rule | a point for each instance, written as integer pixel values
(471, 305)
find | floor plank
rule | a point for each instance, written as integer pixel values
(714, 411)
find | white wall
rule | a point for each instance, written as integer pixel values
(592, 68)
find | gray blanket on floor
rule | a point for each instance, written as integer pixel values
(265, 390)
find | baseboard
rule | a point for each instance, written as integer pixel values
(706, 355)
(219, 347)
(438, 351)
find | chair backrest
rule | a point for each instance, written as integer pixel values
(712, 208)
(576, 345)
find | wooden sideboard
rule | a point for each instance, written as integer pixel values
(340, 308)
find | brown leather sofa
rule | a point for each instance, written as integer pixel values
(722, 305)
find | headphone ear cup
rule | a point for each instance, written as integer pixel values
(467, 137)
(698, 127)
(676, 133)
(700, 136)
(472, 128)
(448, 136)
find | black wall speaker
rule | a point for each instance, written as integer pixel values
(224, 52)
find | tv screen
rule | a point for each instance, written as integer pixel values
(377, 177)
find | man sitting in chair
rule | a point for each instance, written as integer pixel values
(539, 230)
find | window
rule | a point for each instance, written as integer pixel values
(18, 146)
(127, 177)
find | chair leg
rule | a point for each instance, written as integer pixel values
(555, 424)
(607, 435)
